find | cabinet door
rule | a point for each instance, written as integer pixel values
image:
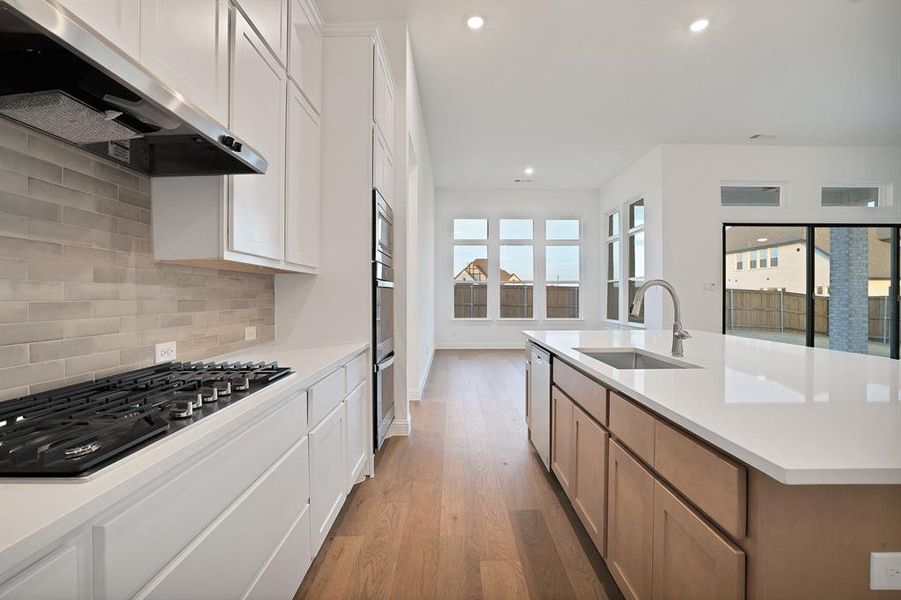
(356, 435)
(589, 485)
(305, 53)
(383, 100)
(630, 524)
(691, 559)
(257, 204)
(119, 21)
(562, 442)
(53, 578)
(186, 45)
(328, 483)
(270, 18)
(382, 169)
(302, 192)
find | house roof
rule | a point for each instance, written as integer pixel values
(481, 265)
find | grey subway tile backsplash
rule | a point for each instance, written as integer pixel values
(80, 293)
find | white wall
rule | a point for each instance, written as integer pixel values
(494, 204)
(691, 217)
(420, 239)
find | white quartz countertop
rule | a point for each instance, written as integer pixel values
(35, 513)
(800, 415)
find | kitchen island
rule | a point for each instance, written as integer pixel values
(750, 469)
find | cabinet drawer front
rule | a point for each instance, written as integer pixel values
(632, 425)
(692, 560)
(226, 558)
(285, 570)
(715, 484)
(135, 544)
(355, 372)
(325, 395)
(588, 394)
(55, 577)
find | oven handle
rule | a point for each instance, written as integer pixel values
(383, 283)
(384, 364)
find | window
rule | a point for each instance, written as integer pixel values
(470, 229)
(753, 264)
(561, 229)
(636, 274)
(517, 269)
(614, 262)
(850, 196)
(516, 229)
(750, 195)
(471, 269)
(563, 275)
(739, 261)
(761, 258)
(845, 302)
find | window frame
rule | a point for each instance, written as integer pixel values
(783, 186)
(627, 252)
(810, 275)
(884, 194)
(609, 239)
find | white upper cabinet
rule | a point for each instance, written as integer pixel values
(185, 44)
(270, 18)
(257, 203)
(305, 51)
(302, 178)
(119, 21)
(383, 100)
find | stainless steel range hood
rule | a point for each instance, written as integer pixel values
(58, 77)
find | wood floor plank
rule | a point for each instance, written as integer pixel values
(503, 580)
(544, 571)
(462, 508)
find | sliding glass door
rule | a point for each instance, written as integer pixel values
(830, 286)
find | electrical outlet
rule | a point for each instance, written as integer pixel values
(164, 352)
(250, 333)
(885, 570)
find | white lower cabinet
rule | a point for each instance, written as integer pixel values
(225, 559)
(55, 577)
(356, 435)
(329, 487)
(288, 564)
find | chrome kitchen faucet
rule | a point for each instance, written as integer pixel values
(679, 333)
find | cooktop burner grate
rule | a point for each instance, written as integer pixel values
(73, 430)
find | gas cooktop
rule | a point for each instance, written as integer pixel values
(75, 430)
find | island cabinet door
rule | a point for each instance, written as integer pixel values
(630, 524)
(691, 559)
(562, 444)
(589, 485)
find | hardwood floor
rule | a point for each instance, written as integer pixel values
(462, 508)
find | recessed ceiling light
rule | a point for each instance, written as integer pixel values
(475, 22)
(762, 239)
(528, 170)
(699, 25)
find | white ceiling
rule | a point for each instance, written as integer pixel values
(582, 88)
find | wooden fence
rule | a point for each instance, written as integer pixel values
(517, 301)
(787, 311)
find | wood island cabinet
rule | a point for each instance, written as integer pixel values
(589, 486)
(561, 445)
(630, 535)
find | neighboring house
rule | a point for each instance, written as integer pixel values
(774, 258)
(477, 271)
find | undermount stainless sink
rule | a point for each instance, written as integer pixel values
(635, 359)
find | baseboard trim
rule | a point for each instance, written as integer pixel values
(482, 346)
(414, 394)
(401, 427)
